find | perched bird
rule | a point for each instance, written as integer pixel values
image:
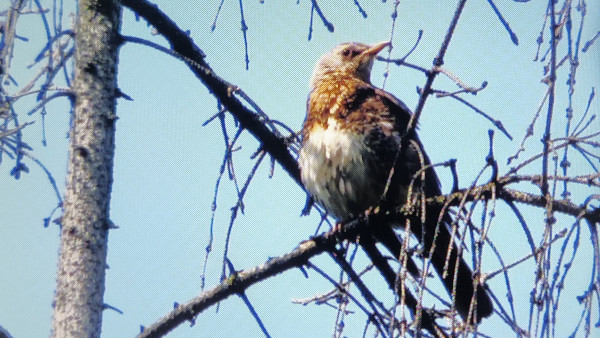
(351, 141)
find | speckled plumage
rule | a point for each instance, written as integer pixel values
(351, 141)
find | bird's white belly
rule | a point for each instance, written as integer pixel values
(335, 171)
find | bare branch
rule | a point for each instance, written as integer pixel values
(244, 30)
(238, 282)
(438, 62)
(512, 34)
(316, 8)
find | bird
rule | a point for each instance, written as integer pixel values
(351, 162)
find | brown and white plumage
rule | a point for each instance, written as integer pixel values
(351, 141)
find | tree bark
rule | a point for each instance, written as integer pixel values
(78, 299)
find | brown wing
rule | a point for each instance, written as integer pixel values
(387, 118)
(390, 117)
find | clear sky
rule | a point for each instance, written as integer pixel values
(167, 163)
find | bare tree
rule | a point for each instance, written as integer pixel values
(85, 221)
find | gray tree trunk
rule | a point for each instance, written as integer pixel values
(78, 300)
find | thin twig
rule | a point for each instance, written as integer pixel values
(513, 36)
(327, 24)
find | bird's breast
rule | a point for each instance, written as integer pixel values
(335, 167)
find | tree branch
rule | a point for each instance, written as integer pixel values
(240, 281)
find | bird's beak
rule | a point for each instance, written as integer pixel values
(376, 48)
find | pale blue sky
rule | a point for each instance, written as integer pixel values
(166, 163)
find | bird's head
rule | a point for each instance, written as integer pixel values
(348, 59)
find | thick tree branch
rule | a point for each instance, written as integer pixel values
(485, 192)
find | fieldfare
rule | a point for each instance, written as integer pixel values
(351, 141)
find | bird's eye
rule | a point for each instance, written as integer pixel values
(349, 52)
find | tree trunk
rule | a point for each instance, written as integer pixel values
(78, 300)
